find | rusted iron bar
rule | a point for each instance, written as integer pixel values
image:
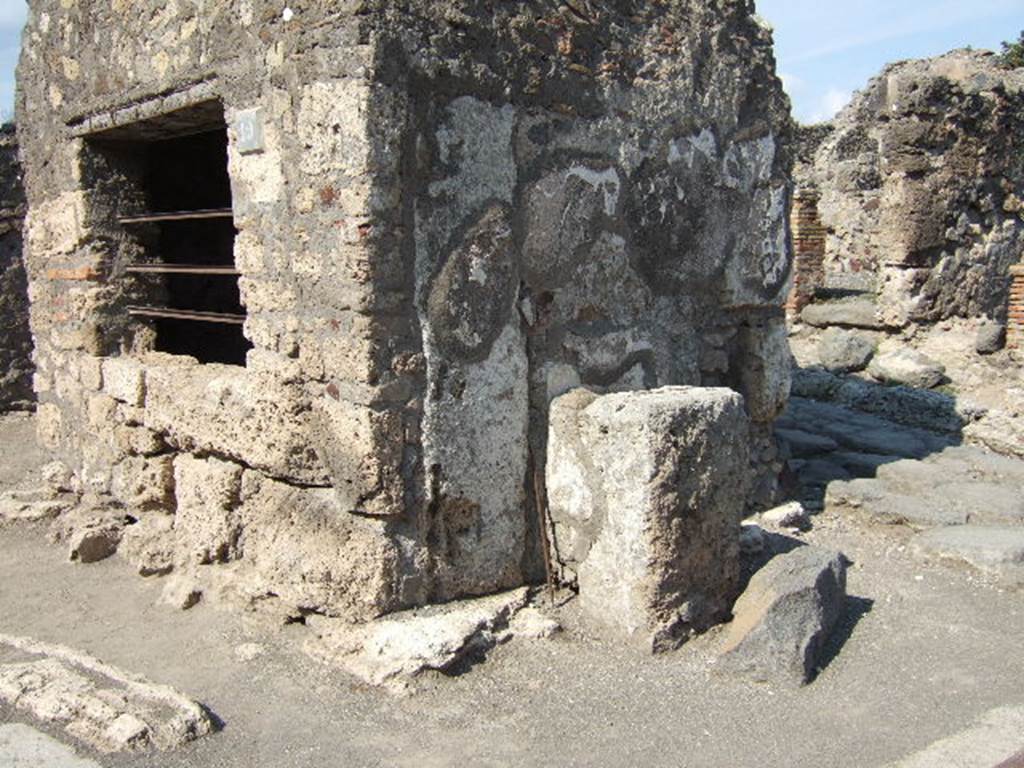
(209, 213)
(182, 314)
(542, 522)
(182, 269)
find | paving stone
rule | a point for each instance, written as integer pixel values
(998, 550)
(806, 444)
(996, 740)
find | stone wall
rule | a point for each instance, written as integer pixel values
(808, 251)
(1015, 313)
(15, 337)
(456, 212)
(921, 180)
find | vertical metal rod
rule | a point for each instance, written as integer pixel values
(542, 522)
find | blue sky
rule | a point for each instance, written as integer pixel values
(12, 18)
(826, 48)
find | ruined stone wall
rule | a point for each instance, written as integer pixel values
(15, 337)
(921, 181)
(460, 212)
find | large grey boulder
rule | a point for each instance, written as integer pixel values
(909, 367)
(785, 616)
(845, 351)
(646, 492)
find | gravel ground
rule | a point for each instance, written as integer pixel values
(926, 651)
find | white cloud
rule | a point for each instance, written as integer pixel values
(792, 83)
(829, 105)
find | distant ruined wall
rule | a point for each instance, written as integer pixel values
(458, 212)
(15, 336)
(921, 182)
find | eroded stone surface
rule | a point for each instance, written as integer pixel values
(395, 650)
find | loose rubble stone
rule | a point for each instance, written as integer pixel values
(531, 624)
(845, 351)
(91, 533)
(784, 618)
(996, 550)
(394, 650)
(792, 515)
(751, 539)
(907, 366)
(108, 709)
(647, 490)
(991, 337)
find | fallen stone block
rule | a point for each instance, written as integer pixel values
(394, 650)
(108, 709)
(990, 338)
(995, 550)
(909, 367)
(652, 486)
(783, 619)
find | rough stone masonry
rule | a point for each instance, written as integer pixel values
(445, 214)
(15, 336)
(921, 181)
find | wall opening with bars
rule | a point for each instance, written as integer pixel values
(177, 216)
